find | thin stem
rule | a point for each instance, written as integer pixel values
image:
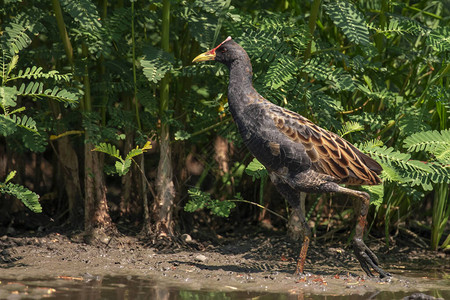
(312, 26)
(424, 12)
(133, 44)
(63, 32)
(87, 85)
(260, 206)
(211, 127)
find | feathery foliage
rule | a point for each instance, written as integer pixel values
(199, 200)
(28, 198)
(433, 142)
(122, 165)
(350, 20)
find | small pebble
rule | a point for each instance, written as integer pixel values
(186, 238)
(200, 258)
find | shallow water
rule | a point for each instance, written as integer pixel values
(138, 287)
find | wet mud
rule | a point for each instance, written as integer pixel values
(250, 263)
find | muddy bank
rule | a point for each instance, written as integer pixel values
(252, 262)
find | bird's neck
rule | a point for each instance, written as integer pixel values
(240, 83)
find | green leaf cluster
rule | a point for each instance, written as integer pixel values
(123, 164)
(200, 200)
(28, 198)
(256, 170)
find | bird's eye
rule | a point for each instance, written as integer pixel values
(224, 50)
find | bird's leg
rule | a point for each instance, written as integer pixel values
(296, 220)
(295, 226)
(306, 237)
(298, 214)
(365, 256)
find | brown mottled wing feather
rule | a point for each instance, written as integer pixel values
(329, 153)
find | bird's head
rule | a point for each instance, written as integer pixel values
(226, 52)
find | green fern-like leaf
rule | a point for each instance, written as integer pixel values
(317, 69)
(414, 122)
(8, 67)
(350, 127)
(205, 20)
(8, 96)
(342, 80)
(326, 108)
(10, 176)
(17, 38)
(34, 141)
(391, 174)
(16, 35)
(134, 152)
(84, 12)
(138, 151)
(439, 39)
(203, 28)
(36, 89)
(399, 26)
(61, 95)
(9, 124)
(256, 170)
(369, 145)
(280, 72)
(212, 6)
(118, 23)
(199, 200)
(29, 198)
(411, 171)
(108, 149)
(347, 17)
(384, 94)
(25, 122)
(264, 45)
(434, 142)
(321, 70)
(123, 166)
(36, 73)
(376, 193)
(156, 63)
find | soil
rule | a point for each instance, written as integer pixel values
(256, 261)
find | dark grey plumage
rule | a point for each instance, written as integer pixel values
(300, 156)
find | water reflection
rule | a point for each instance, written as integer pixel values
(89, 287)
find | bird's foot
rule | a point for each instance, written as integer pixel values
(368, 259)
(298, 272)
(302, 257)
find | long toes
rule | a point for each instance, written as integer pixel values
(366, 268)
(372, 256)
(368, 259)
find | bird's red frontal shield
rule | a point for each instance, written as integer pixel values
(211, 54)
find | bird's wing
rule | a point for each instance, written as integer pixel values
(329, 153)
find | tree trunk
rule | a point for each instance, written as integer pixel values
(97, 221)
(69, 162)
(222, 158)
(162, 209)
(165, 191)
(146, 227)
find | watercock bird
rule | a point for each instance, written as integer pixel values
(299, 155)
